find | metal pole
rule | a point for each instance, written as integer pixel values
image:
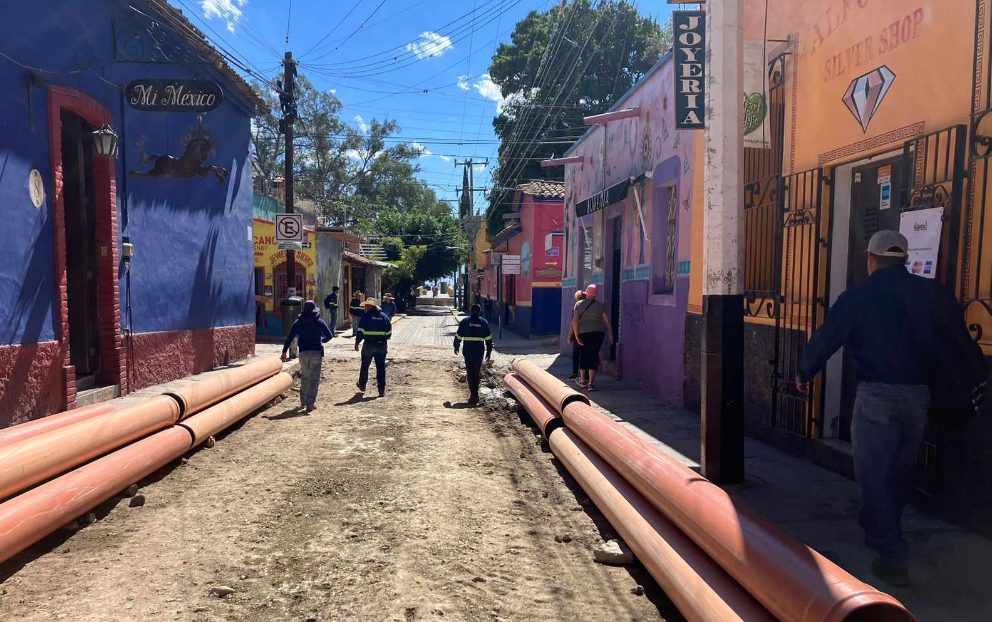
(289, 116)
(722, 452)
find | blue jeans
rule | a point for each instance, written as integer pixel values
(310, 363)
(888, 427)
(372, 352)
(334, 318)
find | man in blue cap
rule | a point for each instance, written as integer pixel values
(474, 331)
(312, 333)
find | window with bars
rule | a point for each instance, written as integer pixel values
(664, 232)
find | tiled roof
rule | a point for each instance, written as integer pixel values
(195, 36)
(359, 260)
(544, 188)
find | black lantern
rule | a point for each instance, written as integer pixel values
(105, 141)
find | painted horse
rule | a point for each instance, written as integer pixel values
(197, 145)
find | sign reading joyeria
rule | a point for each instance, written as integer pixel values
(158, 95)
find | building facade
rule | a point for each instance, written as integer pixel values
(630, 204)
(529, 303)
(79, 310)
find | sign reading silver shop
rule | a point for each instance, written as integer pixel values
(690, 69)
(157, 95)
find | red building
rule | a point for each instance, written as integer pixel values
(529, 302)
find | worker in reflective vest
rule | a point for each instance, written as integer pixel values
(356, 309)
(375, 329)
(331, 304)
(474, 331)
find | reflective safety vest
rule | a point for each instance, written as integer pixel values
(474, 331)
(375, 327)
(357, 308)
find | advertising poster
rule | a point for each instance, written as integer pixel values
(922, 230)
(756, 130)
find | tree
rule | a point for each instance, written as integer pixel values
(432, 226)
(401, 278)
(572, 61)
(268, 143)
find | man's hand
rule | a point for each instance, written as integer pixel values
(284, 357)
(802, 386)
(356, 346)
(456, 350)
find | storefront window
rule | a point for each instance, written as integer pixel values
(663, 234)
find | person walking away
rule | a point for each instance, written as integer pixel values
(489, 308)
(591, 325)
(331, 304)
(902, 331)
(375, 329)
(576, 350)
(389, 306)
(311, 333)
(474, 331)
(356, 309)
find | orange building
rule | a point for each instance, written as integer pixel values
(878, 118)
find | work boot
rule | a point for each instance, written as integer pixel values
(360, 387)
(382, 392)
(473, 400)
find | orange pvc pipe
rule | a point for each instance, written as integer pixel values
(31, 516)
(22, 431)
(202, 394)
(220, 416)
(35, 459)
(541, 412)
(547, 386)
(701, 590)
(794, 582)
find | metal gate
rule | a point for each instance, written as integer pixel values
(786, 252)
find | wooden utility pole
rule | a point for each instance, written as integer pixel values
(288, 100)
(722, 452)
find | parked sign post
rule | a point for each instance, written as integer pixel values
(289, 231)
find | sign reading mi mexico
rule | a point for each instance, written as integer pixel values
(690, 69)
(157, 95)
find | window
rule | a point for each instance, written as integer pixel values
(586, 250)
(664, 234)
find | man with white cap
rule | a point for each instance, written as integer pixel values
(899, 329)
(375, 328)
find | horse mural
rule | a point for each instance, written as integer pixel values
(198, 145)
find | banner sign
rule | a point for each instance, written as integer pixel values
(690, 69)
(756, 130)
(168, 95)
(922, 229)
(603, 198)
(511, 264)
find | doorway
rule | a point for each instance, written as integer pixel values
(81, 250)
(282, 286)
(615, 269)
(874, 206)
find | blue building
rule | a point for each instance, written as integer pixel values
(126, 186)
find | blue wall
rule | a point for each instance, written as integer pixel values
(194, 252)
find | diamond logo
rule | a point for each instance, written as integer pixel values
(865, 94)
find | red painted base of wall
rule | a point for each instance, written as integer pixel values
(162, 357)
(34, 383)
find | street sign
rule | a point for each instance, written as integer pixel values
(289, 231)
(690, 67)
(511, 264)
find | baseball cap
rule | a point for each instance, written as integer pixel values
(888, 243)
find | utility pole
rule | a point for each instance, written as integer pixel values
(470, 223)
(722, 452)
(288, 100)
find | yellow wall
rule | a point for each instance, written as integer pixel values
(481, 246)
(268, 256)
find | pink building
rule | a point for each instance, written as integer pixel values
(529, 303)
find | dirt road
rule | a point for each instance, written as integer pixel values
(410, 507)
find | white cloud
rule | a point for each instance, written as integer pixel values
(463, 83)
(227, 10)
(479, 167)
(361, 124)
(445, 158)
(430, 44)
(424, 151)
(488, 89)
(334, 91)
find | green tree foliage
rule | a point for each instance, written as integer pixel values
(571, 61)
(435, 228)
(401, 278)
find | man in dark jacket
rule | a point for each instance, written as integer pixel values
(331, 304)
(375, 329)
(312, 333)
(474, 331)
(389, 306)
(899, 329)
(356, 310)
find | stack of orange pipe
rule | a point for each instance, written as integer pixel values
(792, 582)
(48, 448)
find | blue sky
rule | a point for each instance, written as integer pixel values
(379, 56)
